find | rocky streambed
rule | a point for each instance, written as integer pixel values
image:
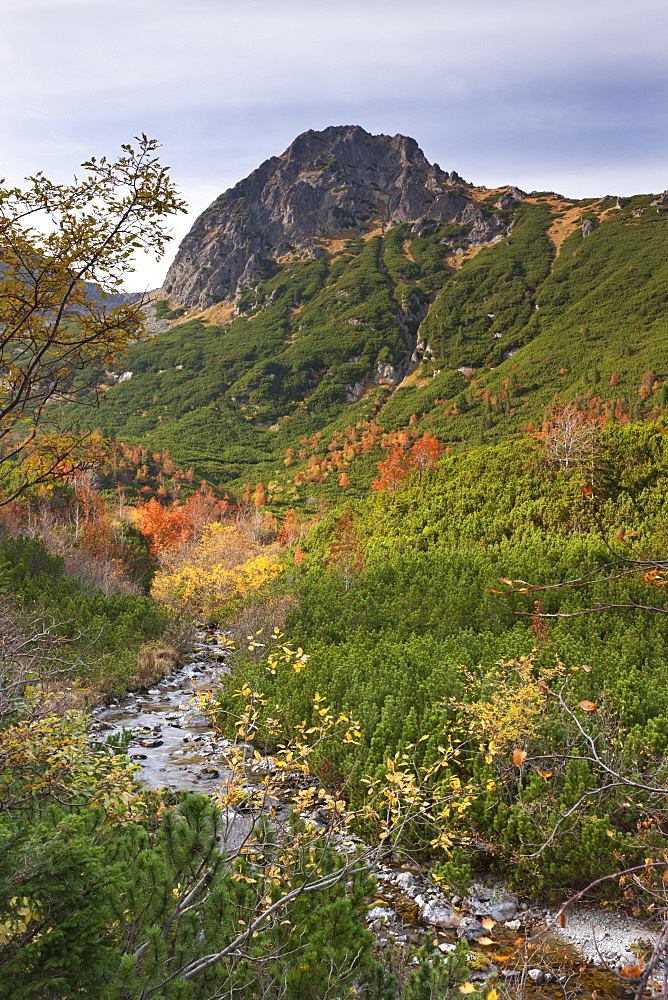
(511, 941)
(173, 744)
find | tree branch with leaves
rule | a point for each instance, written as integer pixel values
(63, 250)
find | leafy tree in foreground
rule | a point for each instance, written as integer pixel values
(63, 247)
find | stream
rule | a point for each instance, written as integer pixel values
(176, 747)
(172, 745)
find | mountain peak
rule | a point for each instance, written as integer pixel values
(341, 180)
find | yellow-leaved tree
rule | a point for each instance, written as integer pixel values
(226, 564)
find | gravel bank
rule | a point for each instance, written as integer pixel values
(604, 937)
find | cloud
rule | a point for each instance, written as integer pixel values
(523, 89)
(205, 54)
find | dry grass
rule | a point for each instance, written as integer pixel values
(378, 230)
(455, 261)
(563, 227)
(481, 193)
(414, 379)
(221, 314)
(154, 660)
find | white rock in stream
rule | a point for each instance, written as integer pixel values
(405, 881)
(439, 914)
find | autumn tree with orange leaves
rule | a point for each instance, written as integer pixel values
(345, 553)
(394, 471)
(169, 526)
(397, 467)
(425, 453)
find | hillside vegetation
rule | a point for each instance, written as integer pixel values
(321, 345)
(401, 612)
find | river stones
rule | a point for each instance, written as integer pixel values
(498, 904)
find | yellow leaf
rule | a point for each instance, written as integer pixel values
(467, 988)
(488, 924)
(492, 995)
(484, 940)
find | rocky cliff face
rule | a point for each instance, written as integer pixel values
(325, 184)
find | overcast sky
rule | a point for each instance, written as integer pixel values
(568, 96)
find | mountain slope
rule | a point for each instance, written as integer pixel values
(392, 318)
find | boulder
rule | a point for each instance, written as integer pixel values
(381, 913)
(386, 372)
(354, 392)
(439, 914)
(470, 929)
(405, 881)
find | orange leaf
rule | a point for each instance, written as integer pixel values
(519, 756)
(665, 876)
(588, 706)
(484, 940)
(562, 919)
(587, 490)
(631, 971)
(488, 923)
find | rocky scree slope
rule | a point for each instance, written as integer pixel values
(325, 183)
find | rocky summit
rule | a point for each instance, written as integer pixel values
(323, 186)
